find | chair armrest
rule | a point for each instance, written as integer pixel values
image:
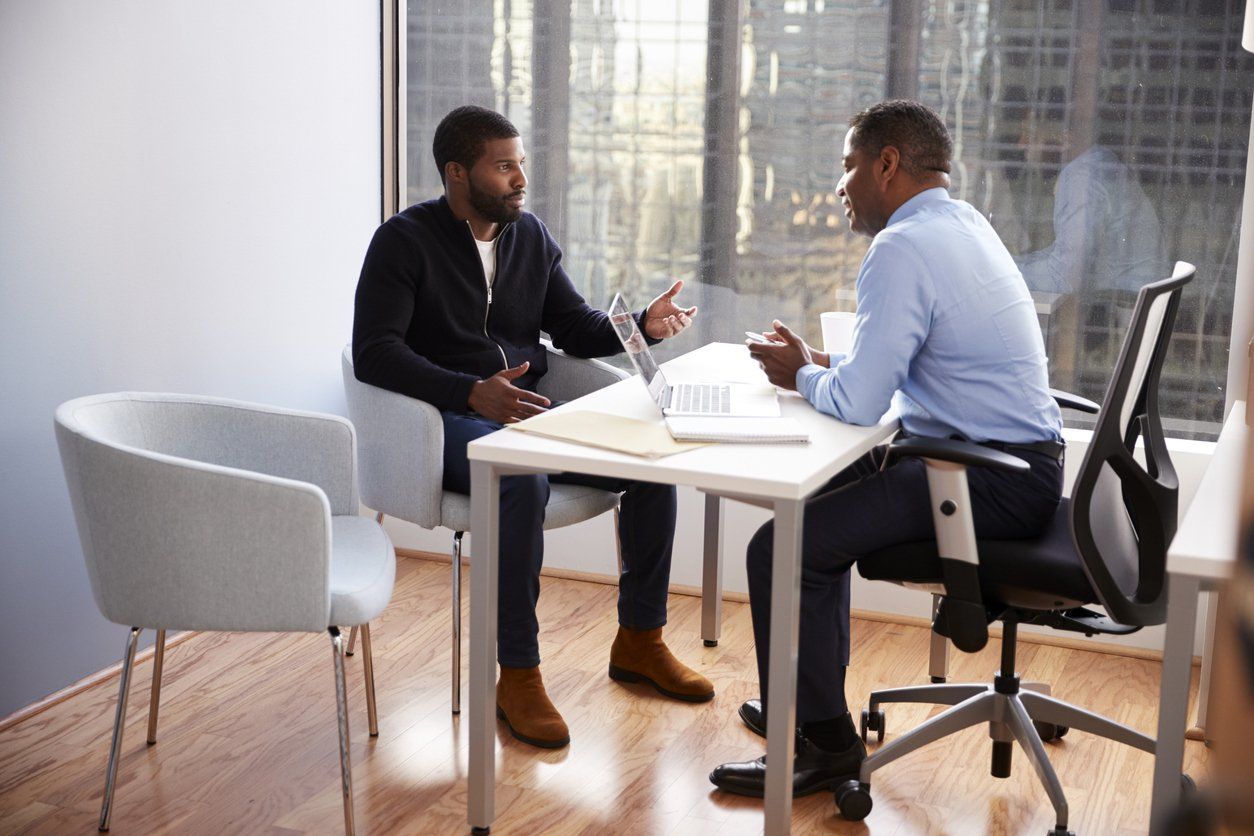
(961, 616)
(958, 452)
(400, 450)
(572, 377)
(1066, 400)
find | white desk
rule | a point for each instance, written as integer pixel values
(1202, 555)
(781, 476)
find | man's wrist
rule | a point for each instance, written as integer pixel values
(475, 388)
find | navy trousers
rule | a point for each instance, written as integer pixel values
(646, 532)
(864, 509)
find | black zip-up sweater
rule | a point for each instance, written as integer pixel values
(426, 326)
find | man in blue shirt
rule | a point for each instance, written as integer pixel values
(946, 335)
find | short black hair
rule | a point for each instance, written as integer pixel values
(462, 134)
(912, 128)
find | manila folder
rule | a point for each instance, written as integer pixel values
(649, 439)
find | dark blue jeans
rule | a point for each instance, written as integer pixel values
(864, 509)
(646, 532)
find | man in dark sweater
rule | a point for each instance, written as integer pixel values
(451, 301)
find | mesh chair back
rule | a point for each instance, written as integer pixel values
(1123, 511)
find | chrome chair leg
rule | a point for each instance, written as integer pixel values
(154, 700)
(368, 663)
(341, 714)
(119, 720)
(457, 622)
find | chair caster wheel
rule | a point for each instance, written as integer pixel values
(853, 799)
(872, 721)
(710, 643)
(1049, 732)
(1060, 831)
(480, 831)
(939, 680)
(1187, 786)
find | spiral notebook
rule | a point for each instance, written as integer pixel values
(738, 430)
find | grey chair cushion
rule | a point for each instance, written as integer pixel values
(568, 504)
(363, 569)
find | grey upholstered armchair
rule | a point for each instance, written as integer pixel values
(208, 514)
(401, 449)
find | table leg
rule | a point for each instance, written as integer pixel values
(712, 572)
(485, 506)
(1173, 697)
(781, 686)
(1210, 608)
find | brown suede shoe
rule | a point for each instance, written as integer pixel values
(641, 656)
(531, 717)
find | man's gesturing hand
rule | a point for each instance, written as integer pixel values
(663, 318)
(501, 401)
(781, 357)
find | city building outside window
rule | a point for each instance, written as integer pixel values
(699, 139)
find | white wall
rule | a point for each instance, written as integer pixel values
(186, 193)
(588, 547)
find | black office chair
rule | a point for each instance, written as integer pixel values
(1106, 545)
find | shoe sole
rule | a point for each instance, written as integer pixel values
(532, 741)
(623, 675)
(827, 786)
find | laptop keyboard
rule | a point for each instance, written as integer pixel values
(701, 398)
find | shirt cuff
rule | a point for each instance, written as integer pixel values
(804, 374)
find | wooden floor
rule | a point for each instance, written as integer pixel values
(248, 739)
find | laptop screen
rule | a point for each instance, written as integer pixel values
(637, 349)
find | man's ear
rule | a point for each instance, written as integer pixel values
(454, 171)
(887, 164)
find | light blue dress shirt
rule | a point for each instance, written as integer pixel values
(945, 333)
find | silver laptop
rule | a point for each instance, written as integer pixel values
(706, 399)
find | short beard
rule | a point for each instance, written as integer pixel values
(495, 209)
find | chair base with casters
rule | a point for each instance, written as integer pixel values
(1015, 712)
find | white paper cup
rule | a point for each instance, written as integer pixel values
(837, 331)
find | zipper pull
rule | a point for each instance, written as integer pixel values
(489, 294)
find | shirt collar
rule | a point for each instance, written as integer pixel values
(917, 203)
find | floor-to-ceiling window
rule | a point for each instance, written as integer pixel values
(698, 139)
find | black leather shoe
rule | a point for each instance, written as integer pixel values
(752, 715)
(813, 770)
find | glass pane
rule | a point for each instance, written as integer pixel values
(1103, 140)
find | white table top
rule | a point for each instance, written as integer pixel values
(769, 471)
(1205, 545)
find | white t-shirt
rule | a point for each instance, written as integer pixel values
(487, 254)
